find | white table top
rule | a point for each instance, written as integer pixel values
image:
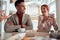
(36, 35)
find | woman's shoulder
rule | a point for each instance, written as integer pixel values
(51, 15)
(40, 17)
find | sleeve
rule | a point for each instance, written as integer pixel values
(55, 25)
(29, 23)
(9, 25)
(39, 20)
(39, 23)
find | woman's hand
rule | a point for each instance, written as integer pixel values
(1, 14)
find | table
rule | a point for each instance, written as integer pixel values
(39, 38)
(27, 36)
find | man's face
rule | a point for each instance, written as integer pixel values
(21, 7)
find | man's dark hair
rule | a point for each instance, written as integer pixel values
(18, 1)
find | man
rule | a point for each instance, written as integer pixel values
(18, 20)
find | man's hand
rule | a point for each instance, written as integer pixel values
(24, 26)
(10, 23)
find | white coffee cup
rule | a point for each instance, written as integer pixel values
(21, 30)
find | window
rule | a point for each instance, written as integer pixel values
(33, 11)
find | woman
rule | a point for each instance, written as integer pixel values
(45, 21)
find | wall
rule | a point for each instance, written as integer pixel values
(0, 9)
(5, 7)
(58, 12)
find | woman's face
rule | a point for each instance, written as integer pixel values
(44, 11)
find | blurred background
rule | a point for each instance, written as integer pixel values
(32, 8)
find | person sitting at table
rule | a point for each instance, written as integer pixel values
(45, 21)
(18, 20)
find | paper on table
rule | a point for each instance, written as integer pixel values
(22, 35)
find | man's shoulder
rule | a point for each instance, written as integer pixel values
(14, 15)
(27, 15)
